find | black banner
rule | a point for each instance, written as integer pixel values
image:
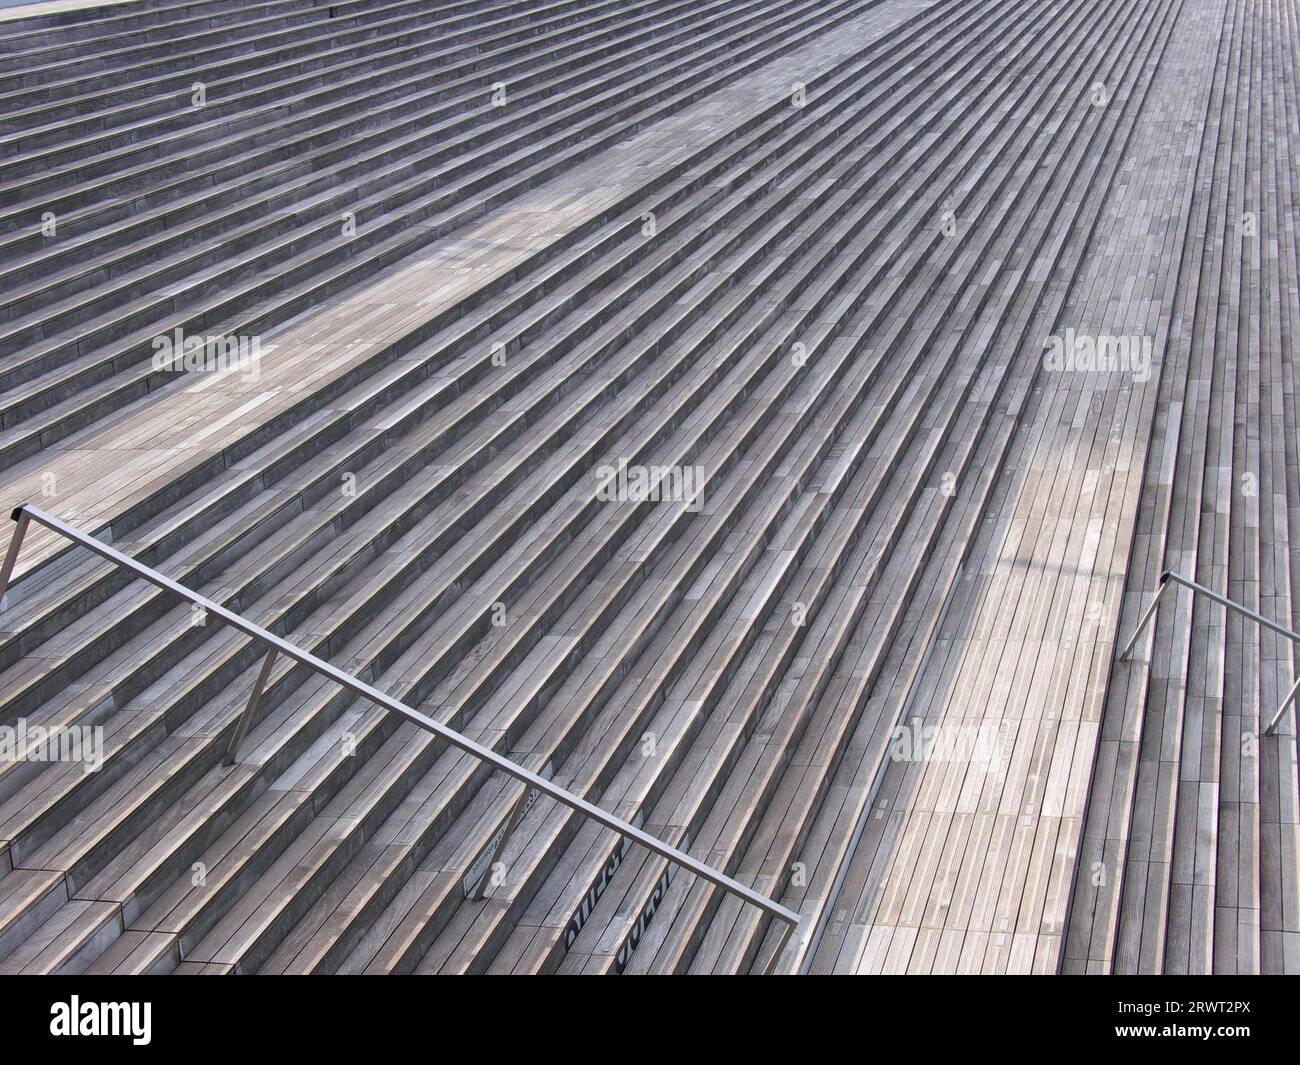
(338, 1015)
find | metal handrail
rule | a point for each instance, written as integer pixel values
(25, 513)
(1169, 576)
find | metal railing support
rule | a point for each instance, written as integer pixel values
(1277, 718)
(770, 968)
(1168, 577)
(277, 646)
(1147, 615)
(21, 521)
(246, 718)
(516, 815)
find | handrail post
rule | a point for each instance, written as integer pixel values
(246, 718)
(1147, 616)
(516, 815)
(21, 520)
(1168, 578)
(770, 968)
(1277, 718)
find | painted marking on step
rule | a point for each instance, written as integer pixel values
(599, 885)
(647, 912)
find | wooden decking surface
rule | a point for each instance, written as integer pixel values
(872, 671)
